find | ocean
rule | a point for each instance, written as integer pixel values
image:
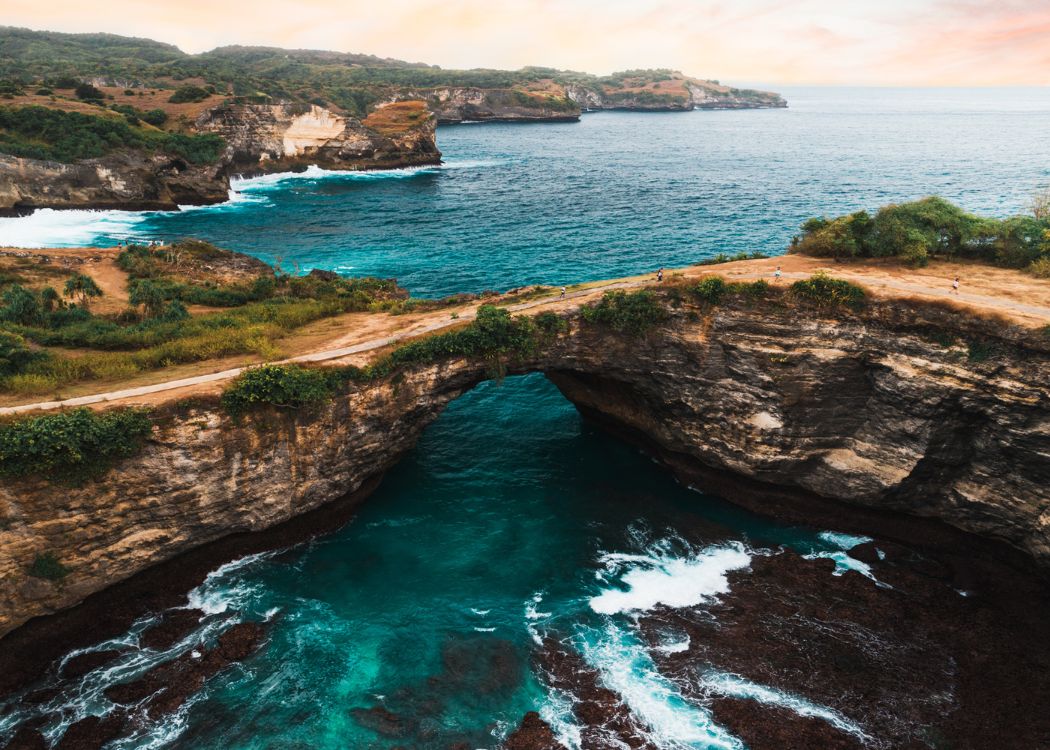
(513, 520)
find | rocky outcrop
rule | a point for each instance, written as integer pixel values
(259, 139)
(282, 137)
(452, 105)
(865, 410)
(129, 180)
(678, 93)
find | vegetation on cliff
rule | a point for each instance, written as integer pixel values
(352, 82)
(51, 134)
(633, 313)
(932, 228)
(494, 336)
(71, 446)
(158, 330)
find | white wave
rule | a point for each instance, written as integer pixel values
(216, 595)
(485, 630)
(843, 541)
(843, 562)
(557, 711)
(480, 612)
(533, 615)
(734, 686)
(48, 227)
(314, 172)
(674, 647)
(665, 576)
(672, 722)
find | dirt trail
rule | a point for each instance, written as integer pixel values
(1023, 299)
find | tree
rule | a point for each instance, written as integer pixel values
(50, 299)
(83, 287)
(1041, 205)
(88, 92)
(20, 305)
(149, 295)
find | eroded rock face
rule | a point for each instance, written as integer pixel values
(469, 104)
(861, 410)
(122, 180)
(280, 137)
(260, 138)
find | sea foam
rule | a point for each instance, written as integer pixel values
(663, 576)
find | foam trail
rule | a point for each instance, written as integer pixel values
(843, 562)
(673, 723)
(733, 686)
(662, 576)
(48, 227)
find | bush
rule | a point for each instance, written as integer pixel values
(15, 356)
(184, 94)
(914, 232)
(287, 386)
(48, 567)
(1040, 268)
(42, 133)
(825, 291)
(156, 117)
(88, 92)
(71, 446)
(711, 289)
(633, 313)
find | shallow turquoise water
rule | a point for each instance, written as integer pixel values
(512, 518)
(618, 192)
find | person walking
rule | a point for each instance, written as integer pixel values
(955, 286)
(776, 275)
(563, 291)
(660, 275)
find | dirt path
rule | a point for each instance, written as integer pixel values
(1023, 299)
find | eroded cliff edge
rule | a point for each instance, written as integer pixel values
(259, 139)
(862, 409)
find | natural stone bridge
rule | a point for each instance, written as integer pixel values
(847, 420)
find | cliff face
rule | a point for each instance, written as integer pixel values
(260, 138)
(280, 137)
(677, 93)
(122, 180)
(469, 104)
(863, 411)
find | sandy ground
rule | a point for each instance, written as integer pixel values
(357, 337)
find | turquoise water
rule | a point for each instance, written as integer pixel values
(512, 519)
(618, 192)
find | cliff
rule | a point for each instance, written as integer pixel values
(125, 179)
(282, 137)
(455, 104)
(860, 416)
(259, 138)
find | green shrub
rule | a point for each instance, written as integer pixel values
(825, 291)
(155, 117)
(711, 289)
(73, 445)
(184, 94)
(38, 132)
(87, 91)
(932, 227)
(48, 567)
(15, 356)
(288, 386)
(632, 313)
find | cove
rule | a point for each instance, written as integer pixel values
(513, 521)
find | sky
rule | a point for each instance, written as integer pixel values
(853, 42)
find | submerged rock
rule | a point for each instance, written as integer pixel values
(80, 665)
(532, 734)
(175, 626)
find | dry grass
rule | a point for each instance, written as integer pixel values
(394, 119)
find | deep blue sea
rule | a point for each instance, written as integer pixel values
(617, 193)
(513, 518)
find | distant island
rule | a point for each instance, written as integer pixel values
(105, 121)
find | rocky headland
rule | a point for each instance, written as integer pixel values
(258, 138)
(880, 420)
